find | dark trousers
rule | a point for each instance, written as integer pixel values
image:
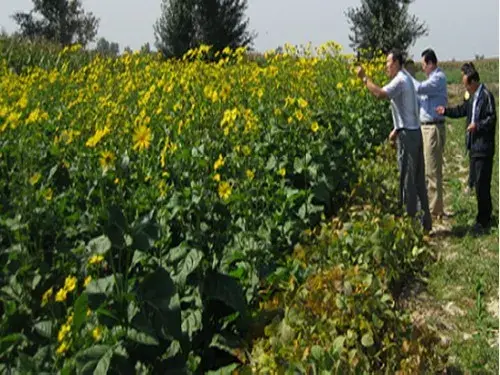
(413, 190)
(481, 169)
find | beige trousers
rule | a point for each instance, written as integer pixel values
(434, 137)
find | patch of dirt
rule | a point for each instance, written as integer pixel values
(492, 307)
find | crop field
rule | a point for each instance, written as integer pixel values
(202, 215)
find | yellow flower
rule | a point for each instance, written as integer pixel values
(87, 280)
(116, 181)
(142, 138)
(107, 159)
(96, 259)
(219, 162)
(314, 126)
(63, 348)
(96, 138)
(302, 103)
(224, 190)
(299, 115)
(61, 295)
(282, 172)
(70, 283)
(97, 333)
(35, 178)
(339, 85)
(250, 174)
(48, 194)
(63, 332)
(47, 296)
(216, 177)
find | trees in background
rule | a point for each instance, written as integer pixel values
(185, 24)
(106, 48)
(381, 25)
(62, 21)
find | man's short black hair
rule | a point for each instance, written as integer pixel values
(430, 56)
(469, 70)
(397, 55)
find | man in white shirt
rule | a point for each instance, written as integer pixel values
(405, 114)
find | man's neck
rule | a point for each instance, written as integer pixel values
(475, 88)
(433, 70)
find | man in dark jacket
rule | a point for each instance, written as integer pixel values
(480, 138)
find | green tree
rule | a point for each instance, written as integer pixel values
(61, 21)
(175, 29)
(380, 25)
(185, 24)
(107, 48)
(222, 23)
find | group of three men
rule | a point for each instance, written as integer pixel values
(418, 111)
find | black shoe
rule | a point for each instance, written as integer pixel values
(480, 229)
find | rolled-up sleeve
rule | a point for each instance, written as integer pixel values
(393, 88)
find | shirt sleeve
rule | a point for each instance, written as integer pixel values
(393, 88)
(430, 85)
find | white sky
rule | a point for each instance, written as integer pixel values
(457, 28)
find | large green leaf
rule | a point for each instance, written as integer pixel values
(160, 298)
(93, 352)
(104, 363)
(141, 337)
(104, 285)
(44, 328)
(191, 322)
(80, 311)
(187, 266)
(99, 245)
(227, 290)
(226, 370)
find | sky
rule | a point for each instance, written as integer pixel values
(457, 28)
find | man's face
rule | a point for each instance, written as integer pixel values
(392, 66)
(427, 67)
(468, 86)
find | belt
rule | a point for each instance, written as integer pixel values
(439, 122)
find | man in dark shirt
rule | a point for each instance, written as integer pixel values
(480, 112)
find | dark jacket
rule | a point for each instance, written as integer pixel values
(481, 143)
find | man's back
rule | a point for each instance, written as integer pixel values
(404, 103)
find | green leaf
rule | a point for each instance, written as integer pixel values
(142, 242)
(177, 253)
(104, 363)
(36, 280)
(338, 344)
(141, 337)
(271, 163)
(191, 322)
(80, 311)
(117, 218)
(94, 352)
(226, 370)
(229, 343)
(104, 285)
(367, 340)
(227, 290)
(173, 350)
(26, 365)
(317, 352)
(99, 245)
(188, 265)
(158, 286)
(44, 328)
